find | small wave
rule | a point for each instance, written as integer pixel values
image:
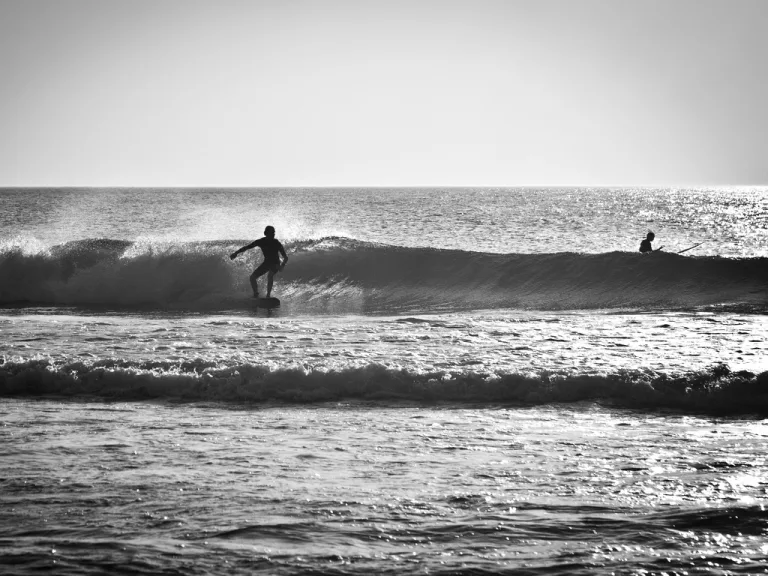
(341, 274)
(717, 390)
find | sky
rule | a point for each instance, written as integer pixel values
(383, 93)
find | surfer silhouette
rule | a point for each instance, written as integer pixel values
(645, 245)
(272, 250)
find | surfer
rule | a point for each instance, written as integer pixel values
(272, 250)
(645, 245)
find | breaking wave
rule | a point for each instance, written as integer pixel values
(716, 390)
(365, 277)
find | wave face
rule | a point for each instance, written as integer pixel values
(341, 274)
(716, 390)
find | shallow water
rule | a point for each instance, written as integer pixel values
(487, 342)
(355, 488)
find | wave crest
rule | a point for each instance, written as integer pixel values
(373, 277)
(716, 390)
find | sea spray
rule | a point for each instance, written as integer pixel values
(380, 278)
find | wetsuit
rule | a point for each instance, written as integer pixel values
(271, 248)
(645, 246)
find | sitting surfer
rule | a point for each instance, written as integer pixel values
(645, 245)
(272, 250)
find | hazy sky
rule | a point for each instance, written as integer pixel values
(383, 92)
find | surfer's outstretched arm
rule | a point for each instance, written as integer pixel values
(284, 255)
(243, 249)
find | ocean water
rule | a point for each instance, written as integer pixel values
(470, 381)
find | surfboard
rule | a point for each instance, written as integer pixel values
(691, 248)
(268, 302)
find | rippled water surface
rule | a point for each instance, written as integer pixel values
(577, 342)
(351, 488)
(728, 221)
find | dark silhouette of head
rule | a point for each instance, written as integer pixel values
(650, 236)
(269, 231)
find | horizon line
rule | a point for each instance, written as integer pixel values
(378, 186)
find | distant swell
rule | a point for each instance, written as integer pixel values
(716, 390)
(346, 275)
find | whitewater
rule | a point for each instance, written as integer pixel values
(457, 380)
